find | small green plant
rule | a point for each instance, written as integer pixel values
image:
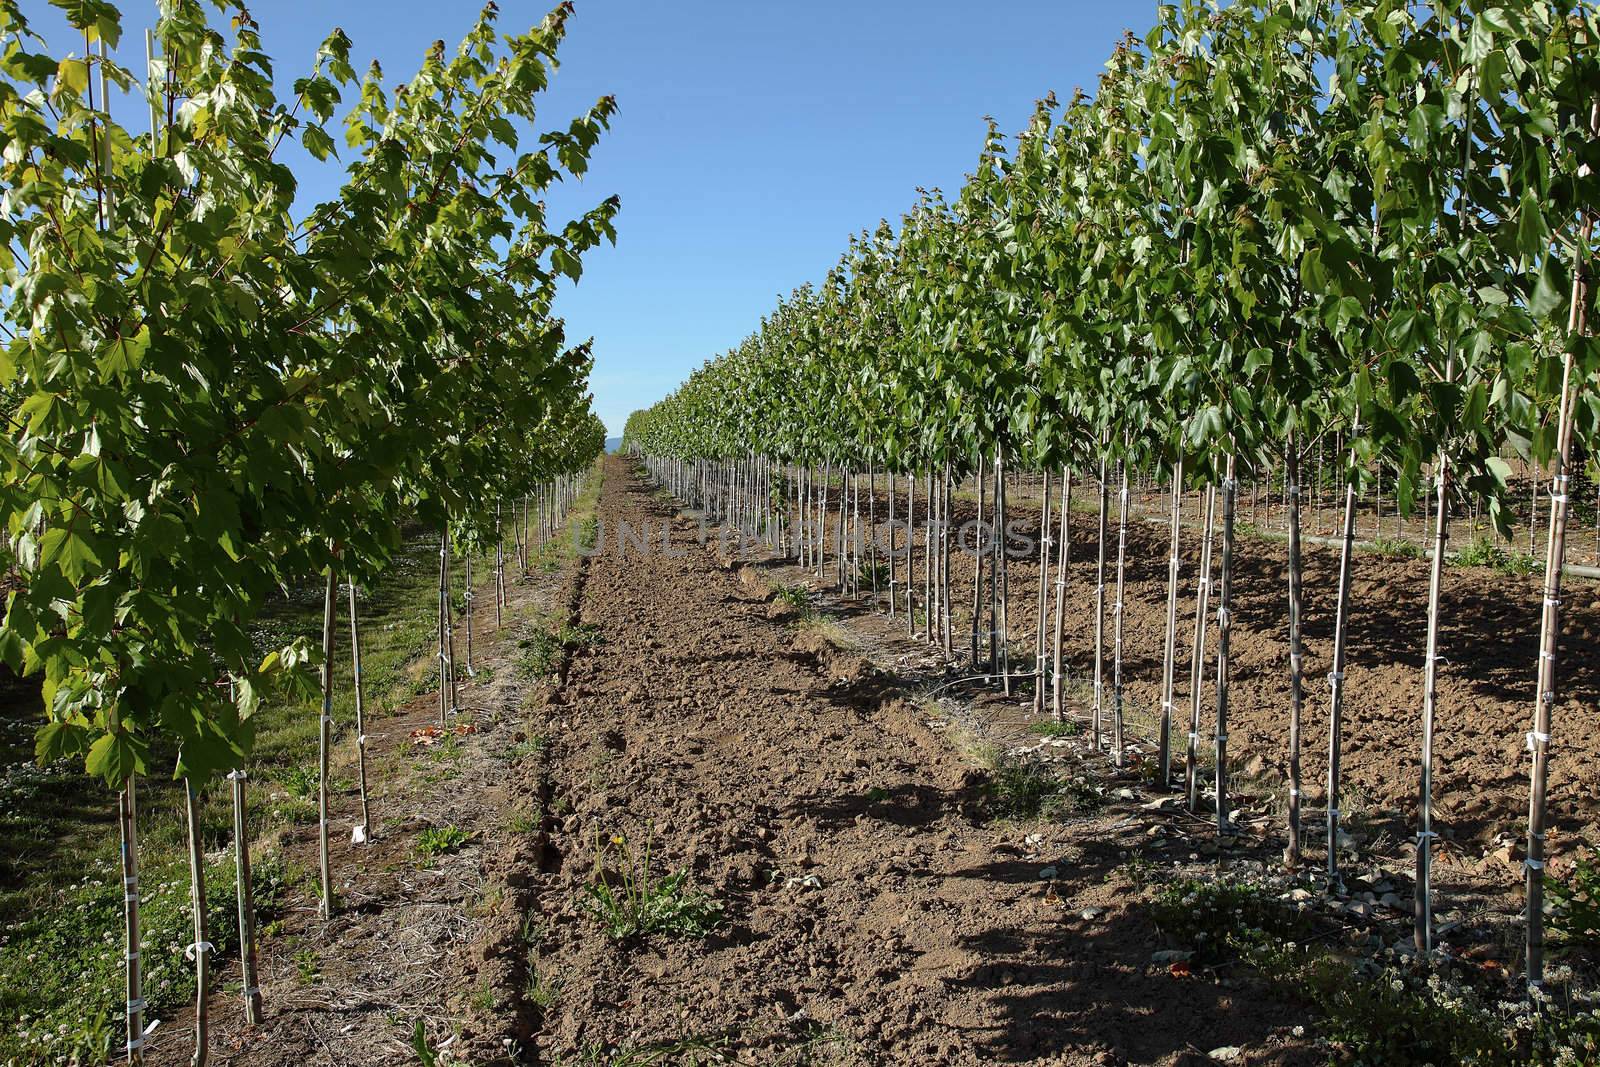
(877, 794)
(299, 782)
(419, 1044)
(867, 570)
(1223, 919)
(1051, 728)
(1027, 789)
(524, 822)
(541, 990)
(307, 965)
(1396, 547)
(439, 840)
(795, 596)
(539, 652)
(1483, 552)
(632, 903)
(1575, 904)
(1393, 1019)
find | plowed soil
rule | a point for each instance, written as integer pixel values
(872, 913)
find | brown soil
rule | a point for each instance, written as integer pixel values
(756, 755)
(873, 911)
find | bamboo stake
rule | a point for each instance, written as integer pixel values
(1002, 572)
(245, 899)
(1100, 612)
(324, 742)
(894, 572)
(128, 822)
(364, 830)
(927, 560)
(1061, 591)
(1224, 629)
(944, 552)
(1291, 853)
(1044, 597)
(1550, 620)
(1169, 656)
(1116, 612)
(1197, 655)
(1336, 676)
(200, 950)
(977, 577)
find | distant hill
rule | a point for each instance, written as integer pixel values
(613, 444)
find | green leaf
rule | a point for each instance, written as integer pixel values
(1550, 291)
(114, 758)
(58, 740)
(64, 545)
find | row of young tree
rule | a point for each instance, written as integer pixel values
(1274, 226)
(211, 397)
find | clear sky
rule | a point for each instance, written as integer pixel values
(753, 135)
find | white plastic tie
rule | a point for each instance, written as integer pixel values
(130, 880)
(1552, 602)
(131, 956)
(1425, 835)
(361, 740)
(1334, 813)
(1193, 736)
(130, 898)
(1558, 498)
(328, 719)
(1535, 738)
(136, 1006)
(1533, 865)
(1293, 791)
(1221, 738)
(198, 947)
(238, 776)
(135, 1043)
(252, 991)
(1224, 616)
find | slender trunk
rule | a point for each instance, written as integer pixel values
(1169, 657)
(911, 552)
(442, 623)
(324, 743)
(927, 559)
(977, 575)
(1044, 597)
(1550, 622)
(128, 820)
(944, 557)
(1116, 608)
(200, 950)
(1291, 855)
(244, 897)
(894, 571)
(1224, 629)
(1336, 676)
(364, 830)
(872, 529)
(1423, 933)
(1002, 573)
(467, 582)
(1197, 656)
(1062, 560)
(1100, 614)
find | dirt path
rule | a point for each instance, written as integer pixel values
(872, 913)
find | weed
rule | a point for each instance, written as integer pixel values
(877, 794)
(638, 904)
(524, 822)
(1051, 728)
(300, 782)
(541, 990)
(523, 748)
(482, 998)
(307, 965)
(1399, 1020)
(440, 840)
(1026, 789)
(1396, 547)
(1575, 904)
(795, 596)
(686, 1052)
(425, 1053)
(1483, 552)
(1226, 919)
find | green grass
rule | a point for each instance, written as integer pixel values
(60, 888)
(1395, 547)
(1025, 790)
(1484, 552)
(1051, 728)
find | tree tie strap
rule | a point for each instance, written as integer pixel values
(238, 775)
(1535, 736)
(1335, 679)
(136, 1006)
(199, 948)
(1424, 836)
(1533, 864)
(131, 955)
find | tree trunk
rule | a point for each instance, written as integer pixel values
(200, 950)
(1062, 560)
(1116, 609)
(1423, 932)
(1169, 656)
(1336, 677)
(1100, 614)
(1291, 855)
(364, 830)
(1550, 621)
(977, 577)
(324, 742)
(1224, 629)
(128, 821)
(1044, 597)
(1197, 657)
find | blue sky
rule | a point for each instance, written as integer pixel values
(752, 137)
